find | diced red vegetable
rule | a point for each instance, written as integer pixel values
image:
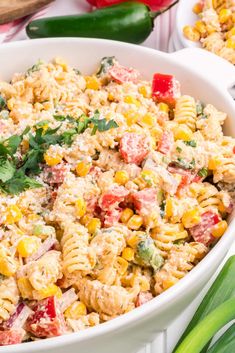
(166, 141)
(165, 88)
(122, 74)
(47, 319)
(142, 298)
(144, 200)
(18, 318)
(56, 174)
(8, 324)
(113, 197)
(202, 231)
(152, 4)
(11, 336)
(92, 2)
(133, 147)
(234, 149)
(112, 217)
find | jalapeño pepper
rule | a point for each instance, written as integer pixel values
(129, 22)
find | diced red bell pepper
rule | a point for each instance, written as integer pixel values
(165, 88)
(133, 147)
(11, 336)
(234, 149)
(56, 174)
(152, 4)
(142, 298)
(144, 200)
(113, 197)
(202, 231)
(47, 319)
(188, 176)
(111, 217)
(122, 74)
(166, 142)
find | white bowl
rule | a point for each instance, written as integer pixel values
(202, 75)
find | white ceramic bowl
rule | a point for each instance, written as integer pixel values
(202, 75)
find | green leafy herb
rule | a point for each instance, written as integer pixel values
(77, 71)
(102, 125)
(18, 183)
(64, 117)
(7, 170)
(204, 116)
(199, 108)
(178, 149)
(191, 143)
(181, 163)
(105, 64)
(35, 67)
(3, 103)
(192, 164)
(203, 172)
(42, 123)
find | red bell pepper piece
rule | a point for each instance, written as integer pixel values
(144, 200)
(152, 4)
(166, 142)
(111, 198)
(202, 231)
(165, 88)
(11, 336)
(111, 217)
(47, 319)
(133, 147)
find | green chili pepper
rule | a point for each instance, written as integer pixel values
(129, 22)
(221, 290)
(207, 328)
(226, 343)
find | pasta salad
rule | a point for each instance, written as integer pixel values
(112, 189)
(215, 27)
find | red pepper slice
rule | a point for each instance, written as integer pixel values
(152, 4)
(202, 231)
(165, 88)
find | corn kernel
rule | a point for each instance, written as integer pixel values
(132, 100)
(148, 119)
(169, 282)
(62, 63)
(121, 265)
(169, 207)
(51, 290)
(93, 225)
(131, 117)
(121, 177)
(13, 214)
(149, 177)
(75, 310)
(230, 43)
(163, 107)
(51, 161)
(83, 168)
(128, 254)
(8, 266)
(25, 146)
(10, 103)
(224, 15)
(27, 246)
(233, 17)
(201, 27)
(25, 288)
(92, 82)
(219, 229)
(135, 222)
(145, 91)
(144, 284)
(84, 220)
(191, 218)
(191, 33)
(221, 207)
(197, 8)
(214, 163)
(111, 97)
(80, 207)
(183, 132)
(230, 33)
(127, 213)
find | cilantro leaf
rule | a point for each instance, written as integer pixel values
(199, 108)
(178, 149)
(20, 182)
(35, 67)
(7, 170)
(64, 117)
(105, 64)
(3, 103)
(191, 143)
(203, 172)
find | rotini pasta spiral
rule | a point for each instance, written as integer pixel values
(104, 299)
(77, 256)
(84, 322)
(185, 111)
(166, 235)
(9, 296)
(225, 170)
(208, 197)
(45, 271)
(181, 260)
